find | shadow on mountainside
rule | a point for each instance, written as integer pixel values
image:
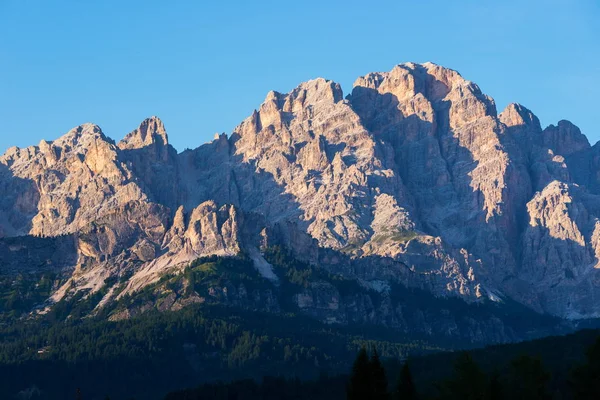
(221, 175)
(18, 203)
(562, 268)
(437, 170)
(425, 157)
(156, 172)
(21, 253)
(30, 254)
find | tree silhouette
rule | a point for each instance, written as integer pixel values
(405, 388)
(379, 383)
(468, 382)
(585, 380)
(359, 387)
(368, 380)
(528, 379)
(496, 388)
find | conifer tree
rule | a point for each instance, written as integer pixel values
(405, 388)
(359, 387)
(496, 389)
(585, 380)
(468, 382)
(528, 379)
(379, 383)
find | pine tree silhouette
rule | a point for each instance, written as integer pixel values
(405, 388)
(496, 389)
(585, 379)
(469, 382)
(379, 384)
(359, 387)
(528, 379)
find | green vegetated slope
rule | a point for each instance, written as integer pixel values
(159, 351)
(184, 330)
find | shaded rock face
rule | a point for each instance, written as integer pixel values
(324, 301)
(28, 254)
(152, 159)
(414, 175)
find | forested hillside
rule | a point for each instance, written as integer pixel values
(146, 356)
(552, 368)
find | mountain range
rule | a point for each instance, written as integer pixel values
(413, 181)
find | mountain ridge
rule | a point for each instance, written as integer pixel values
(414, 165)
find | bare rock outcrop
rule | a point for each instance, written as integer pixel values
(414, 169)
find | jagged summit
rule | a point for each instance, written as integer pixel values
(151, 131)
(414, 168)
(516, 114)
(565, 138)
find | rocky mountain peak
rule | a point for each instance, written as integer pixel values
(312, 92)
(153, 161)
(150, 132)
(564, 138)
(517, 115)
(80, 138)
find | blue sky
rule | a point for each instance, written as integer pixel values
(202, 67)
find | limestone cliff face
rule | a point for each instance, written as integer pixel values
(414, 168)
(60, 187)
(152, 159)
(449, 148)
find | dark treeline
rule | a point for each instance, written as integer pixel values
(270, 388)
(525, 377)
(148, 356)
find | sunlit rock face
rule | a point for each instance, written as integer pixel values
(414, 168)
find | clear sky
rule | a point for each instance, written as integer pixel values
(203, 66)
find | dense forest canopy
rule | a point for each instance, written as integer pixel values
(560, 371)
